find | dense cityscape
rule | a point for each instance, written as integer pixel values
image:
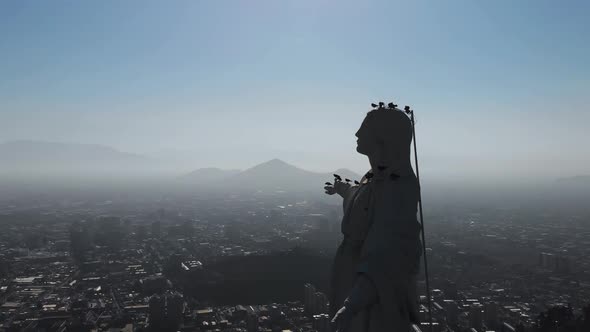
(257, 166)
(261, 262)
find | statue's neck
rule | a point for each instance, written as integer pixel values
(401, 168)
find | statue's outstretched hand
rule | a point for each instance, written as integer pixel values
(338, 187)
(329, 188)
(342, 319)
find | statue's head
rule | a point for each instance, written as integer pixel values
(385, 137)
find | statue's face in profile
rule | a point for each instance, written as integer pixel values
(364, 143)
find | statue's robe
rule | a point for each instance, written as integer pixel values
(381, 240)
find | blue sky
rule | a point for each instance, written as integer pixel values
(499, 87)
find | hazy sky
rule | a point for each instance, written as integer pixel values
(499, 87)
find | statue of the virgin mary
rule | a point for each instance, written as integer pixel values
(373, 285)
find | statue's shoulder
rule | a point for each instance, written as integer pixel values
(407, 183)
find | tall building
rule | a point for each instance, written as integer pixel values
(476, 316)
(252, 322)
(563, 264)
(450, 290)
(110, 232)
(173, 265)
(555, 262)
(166, 311)
(321, 323)
(308, 299)
(547, 260)
(174, 309)
(491, 314)
(451, 312)
(157, 311)
(80, 239)
(320, 303)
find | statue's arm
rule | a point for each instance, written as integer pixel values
(344, 189)
(362, 295)
(347, 192)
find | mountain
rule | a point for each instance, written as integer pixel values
(581, 180)
(50, 157)
(276, 174)
(346, 174)
(31, 158)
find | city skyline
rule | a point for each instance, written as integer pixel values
(246, 166)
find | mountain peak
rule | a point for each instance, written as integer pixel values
(273, 164)
(275, 161)
(274, 174)
(346, 173)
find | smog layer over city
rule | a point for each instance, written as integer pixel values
(304, 166)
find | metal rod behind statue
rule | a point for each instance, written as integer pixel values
(411, 113)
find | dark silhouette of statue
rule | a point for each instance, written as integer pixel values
(373, 284)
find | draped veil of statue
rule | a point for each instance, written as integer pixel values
(373, 285)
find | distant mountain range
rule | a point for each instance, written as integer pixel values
(51, 158)
(274, 174)
(576, 180)
(28, 157)
(48, 157)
